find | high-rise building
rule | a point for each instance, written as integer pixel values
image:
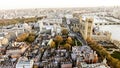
(86, 27)
(40, 25)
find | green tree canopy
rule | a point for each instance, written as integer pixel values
(64, 31)
(69, 40)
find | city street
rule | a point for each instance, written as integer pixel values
(77, 35)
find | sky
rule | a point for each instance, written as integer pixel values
(18, 4)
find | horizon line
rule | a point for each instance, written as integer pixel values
(61, 7)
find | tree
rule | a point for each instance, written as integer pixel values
(52, 44)
(58, 39)
(69, 40)
(30, 38)
(118, 65)
(22, 37)
(35, 66)
(64, 32)
(115, 63)
(116, 54)
(67, 46)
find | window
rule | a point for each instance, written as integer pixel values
(89, 27)
(88, 33)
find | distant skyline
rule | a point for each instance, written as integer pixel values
(23, 4)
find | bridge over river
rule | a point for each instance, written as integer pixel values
(107, 23)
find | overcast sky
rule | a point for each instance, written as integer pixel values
(13, 4)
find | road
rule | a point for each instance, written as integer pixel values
(77, 35)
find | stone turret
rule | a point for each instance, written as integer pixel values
(88, 27)
(89, 22)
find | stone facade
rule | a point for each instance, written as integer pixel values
(86, 27)
(102, 36)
